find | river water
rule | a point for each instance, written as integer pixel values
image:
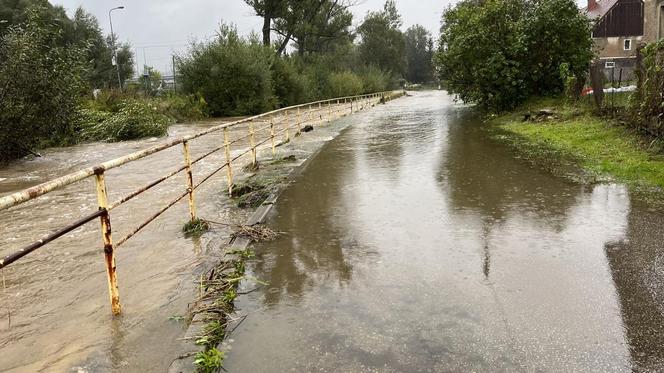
(413, 242)
(55, 314)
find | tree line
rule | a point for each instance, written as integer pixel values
(50, 64)
(306, 50)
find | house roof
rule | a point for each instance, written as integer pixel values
(603, 7)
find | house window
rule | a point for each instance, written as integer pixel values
(628, 44)
(609, 65)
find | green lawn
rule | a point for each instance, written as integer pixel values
(599, 145)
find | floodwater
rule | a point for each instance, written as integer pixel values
(415, 243)
(55, 313)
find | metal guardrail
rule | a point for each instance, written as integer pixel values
(290, 117)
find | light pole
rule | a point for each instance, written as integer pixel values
(115, 53)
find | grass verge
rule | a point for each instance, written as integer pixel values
(573, 134)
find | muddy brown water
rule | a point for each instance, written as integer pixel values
(55, 314)
(415, 243)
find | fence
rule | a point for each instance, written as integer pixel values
(286, 118)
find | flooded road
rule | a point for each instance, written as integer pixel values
(415, 243)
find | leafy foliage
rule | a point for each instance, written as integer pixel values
(40, 83)
(419, 55)
(382, 43)
(231, 73)
(499, 52)
(647, 105)
(344, 83)
(209, 361)
(135, 119)
(81, 31)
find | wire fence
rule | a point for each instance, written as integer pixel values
(273, 126)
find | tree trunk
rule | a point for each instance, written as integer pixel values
(267, 29)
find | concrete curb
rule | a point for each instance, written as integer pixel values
(185, 364)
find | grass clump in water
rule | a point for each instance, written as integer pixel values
(209, 361)
(599, 146)
(195, 228)
(253, 191)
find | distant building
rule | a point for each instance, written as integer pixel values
(623, 25)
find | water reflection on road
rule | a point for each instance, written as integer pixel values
(414, 243)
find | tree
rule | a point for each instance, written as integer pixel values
(268, 10)
(231, 73)
(40, 85)
(382, 43)
(81, 31)
(499, 52)
(419, 54)
(325, 29)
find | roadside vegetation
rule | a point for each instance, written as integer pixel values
(58, 85)
(605, 148)
(526, 64)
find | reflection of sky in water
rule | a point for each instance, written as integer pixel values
(415, 244)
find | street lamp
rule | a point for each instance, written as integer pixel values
(115, 54)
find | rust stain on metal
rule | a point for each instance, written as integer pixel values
(105, 220)
(190, 180)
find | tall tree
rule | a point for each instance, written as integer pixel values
(382, 42)
(268, 10)
(498, 52)
(419, 54)
(40, 83)
(326, 27)
(81, 31)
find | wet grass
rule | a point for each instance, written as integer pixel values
(253, 191)
(602, 148)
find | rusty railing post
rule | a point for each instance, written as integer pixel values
(229, 168)
(287, 125)
(329, 111)
(274, 149)
(190, 180)
(320, 113)
(299, 121)
(252, 142)
(109, 255)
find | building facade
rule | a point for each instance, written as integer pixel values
(621, 27)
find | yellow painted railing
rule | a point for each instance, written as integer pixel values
(288, 117)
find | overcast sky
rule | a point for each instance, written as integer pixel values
(158, 28)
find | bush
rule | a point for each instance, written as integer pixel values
(374, 80)
(135, 119)
(290, 86)
(497, 53)
(40, 83)
(344, 84)
(182, 108)
(231, 73)
(646, 104)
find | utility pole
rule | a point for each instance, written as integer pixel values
(115, 52)
(175, 85)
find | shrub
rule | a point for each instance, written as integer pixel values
(135, 119)
(344, 84)
(40, 83)
(497, 53)
(374, 80)
(290, 86)
(182, 108)
(231, 73)
(646, 104)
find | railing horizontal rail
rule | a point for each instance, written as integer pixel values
(291, 116)
(50, 237)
